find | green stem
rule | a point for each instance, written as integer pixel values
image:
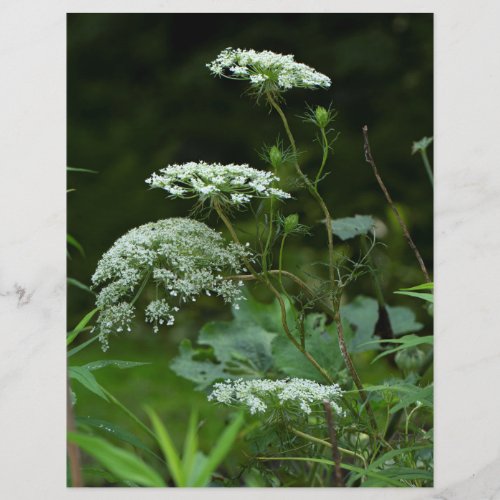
(269, 236)
(129, 413)
(322, 442)
(264, 279)
(329, 231)
(325, 157)
(373, 273)
(427, 166)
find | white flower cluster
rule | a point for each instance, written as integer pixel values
(261, 394)
(229, 184)
(278, 71)
(183, 257)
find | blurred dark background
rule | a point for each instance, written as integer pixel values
(140, 97)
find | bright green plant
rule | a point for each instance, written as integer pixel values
(294, 366)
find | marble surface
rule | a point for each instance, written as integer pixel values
(33, 262)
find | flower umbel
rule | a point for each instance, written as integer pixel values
(266, 70)
(261, 395)
(181, 256)
(228, 184)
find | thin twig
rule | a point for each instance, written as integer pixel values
(73, 450)
(337, 477)
(369, 159)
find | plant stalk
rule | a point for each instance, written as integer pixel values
(369, 159)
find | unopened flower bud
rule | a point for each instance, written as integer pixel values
(322, 116)
(275, 156)
(291, 222)
(410, 360)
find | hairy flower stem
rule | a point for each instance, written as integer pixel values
(329, 232)
(325, 157)
(269, 237)
(337, 478)
(369, 159)
(265, 280)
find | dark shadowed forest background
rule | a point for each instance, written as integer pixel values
(140, 97)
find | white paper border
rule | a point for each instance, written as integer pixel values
(32, 245)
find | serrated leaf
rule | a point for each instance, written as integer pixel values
(362, 314)
(350, 227)
(202, 372)
(239, 348)
(121, 463)
(403, 320)
(321, 343)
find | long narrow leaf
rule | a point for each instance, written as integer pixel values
(168, 449)
(74, 242)
(219, 452)
(429, 297)
(117, 432)
(88, 380)
(117, 363)
(190, 446)
(81, 325)
(82, 170)
(121, 463)
(78, 284)
(349, 467)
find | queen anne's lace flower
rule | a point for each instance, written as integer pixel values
(261, 395)
(229, 184)
(183, 257)
(276, 71)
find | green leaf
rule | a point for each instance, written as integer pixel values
(168, 449)
(121, 463)
(83, 170)
(406, 342)
(219, 451)
(78, 348)
(403, 320)
(117, 432)
(237, 348)
(429, 297)
(421, 145)
(407, 394)
(321, 342)
(349, 227)
(74, 243)
(189, 365)
(366, 472)
(81, 325)
(190, 448)
(423, 286)
(362, 315)
(78, 284)
(117, 363)
(82, 375)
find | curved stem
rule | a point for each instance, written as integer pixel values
(329, 232)
(317, 440)
(427, 166)
(265, 280)
(369, 159)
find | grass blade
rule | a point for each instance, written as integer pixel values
(123, 464)
(168, 449)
